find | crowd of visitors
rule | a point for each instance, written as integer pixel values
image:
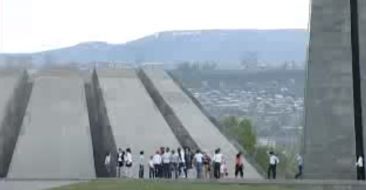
(173, 164)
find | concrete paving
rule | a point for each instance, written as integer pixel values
(32, 185)
(55, 140)
(205, 134)
(262, 184)
(135, 120)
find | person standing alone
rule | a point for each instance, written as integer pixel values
(141, 167)
(300, 163)
(360, 168)
(273, 161)
(239, 165)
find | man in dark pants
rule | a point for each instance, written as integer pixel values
(273, 161)
(217, 160)
(151, 168)
(299, 165)
(141, 167)
(157, 161)
(166, 157)
(360, 168)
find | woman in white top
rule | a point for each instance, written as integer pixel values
(128, 162)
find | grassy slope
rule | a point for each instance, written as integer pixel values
(155, 185)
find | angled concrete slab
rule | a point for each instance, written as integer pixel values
(55, 140)
(9, 82)
(135, 120)
(200, 128)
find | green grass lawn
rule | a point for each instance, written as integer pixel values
(163, 185)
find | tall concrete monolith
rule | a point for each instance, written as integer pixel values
(335, 86)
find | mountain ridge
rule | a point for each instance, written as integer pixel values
(219, 45)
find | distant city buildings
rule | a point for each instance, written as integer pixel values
(275, 110)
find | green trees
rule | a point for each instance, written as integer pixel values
(242, 131)
(249, 137)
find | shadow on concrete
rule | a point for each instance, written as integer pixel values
(102, 135)
(10, 127)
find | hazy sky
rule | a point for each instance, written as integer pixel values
(35, 25)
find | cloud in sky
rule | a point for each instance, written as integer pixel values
(34, 25)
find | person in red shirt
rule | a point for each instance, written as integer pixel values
(239, 165)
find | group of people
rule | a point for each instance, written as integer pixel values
(172, 164)
(123, 163)
(166, 163)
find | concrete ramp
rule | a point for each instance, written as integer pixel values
(199, 127)
(135, 120)
(55, 139)
(14, 96)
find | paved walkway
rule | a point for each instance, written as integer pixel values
(33, 184)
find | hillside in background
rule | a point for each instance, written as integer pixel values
(269, 47)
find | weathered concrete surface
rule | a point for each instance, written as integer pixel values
(15, 91)
(205, 134)
(135, 120)
(102, 135)
(180, 132)
(329, 115)
(55, 141)
(8, 83)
